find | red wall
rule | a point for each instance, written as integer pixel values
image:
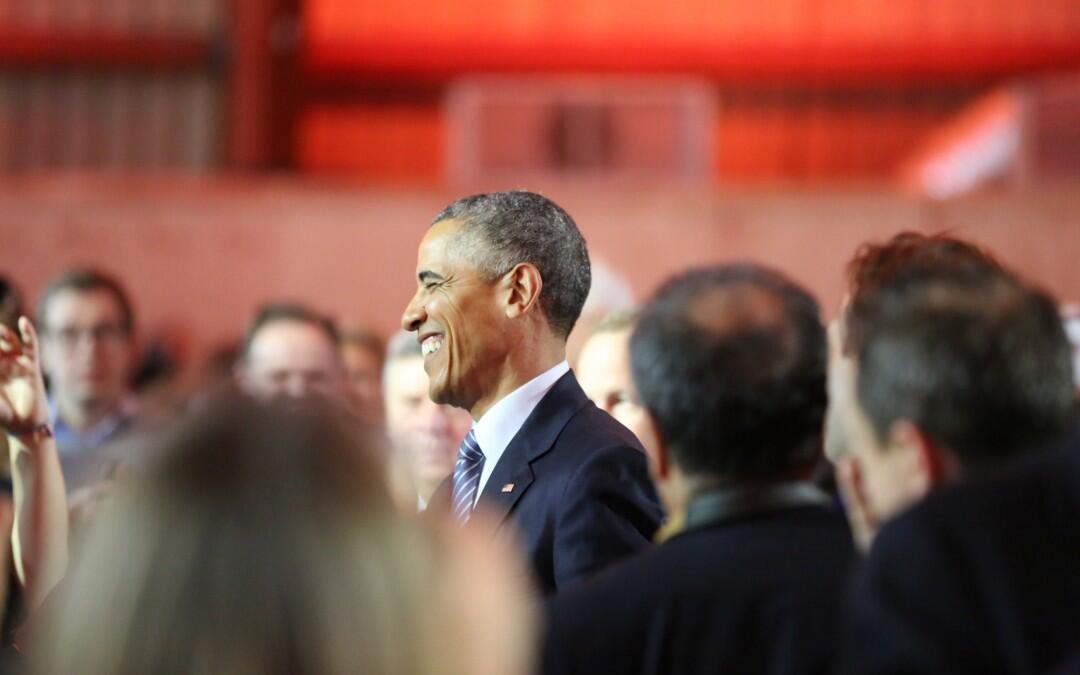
(199, 255)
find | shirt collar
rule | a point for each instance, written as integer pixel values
(66, 437)
(502, 421)
(735, 502)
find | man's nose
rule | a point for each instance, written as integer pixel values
(414, 315)
(297, 387)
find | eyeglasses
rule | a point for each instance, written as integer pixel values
(109, 334)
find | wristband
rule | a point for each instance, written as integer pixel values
(34, 434)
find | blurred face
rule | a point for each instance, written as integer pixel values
(603, 370)
(86, 351)
(455, 313)
(292, 358)
(363, 369)
(425, 433)
(891, 473)
(846, 468)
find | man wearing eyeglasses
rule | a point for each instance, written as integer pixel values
(87, 325)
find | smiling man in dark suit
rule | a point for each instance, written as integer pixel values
(729, 362)
(501, 280)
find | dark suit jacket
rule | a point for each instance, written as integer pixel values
(751, 593)
(581, 496)
(983, 577)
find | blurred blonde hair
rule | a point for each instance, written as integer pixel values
(258, 539)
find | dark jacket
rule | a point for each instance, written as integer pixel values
(751, 589)
(580, 497)
(982, 577)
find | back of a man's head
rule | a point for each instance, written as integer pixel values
(975, 359)
(730, 363)
(504, 229)
(876, 264)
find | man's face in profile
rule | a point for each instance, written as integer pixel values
(891, 475)
(456, 316)
(293, 359)
(425, 433)
(87, 350)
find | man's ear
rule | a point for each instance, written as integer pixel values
(522, 289)
(924, 462)
(860, 512)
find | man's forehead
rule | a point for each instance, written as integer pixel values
(436, 244)
(295, 338)
(79, 303)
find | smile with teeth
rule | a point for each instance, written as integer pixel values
(431, 344)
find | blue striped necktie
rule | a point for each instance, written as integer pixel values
(470, 463)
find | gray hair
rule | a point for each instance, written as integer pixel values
(504, 229)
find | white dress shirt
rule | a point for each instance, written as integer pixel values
(502, 421)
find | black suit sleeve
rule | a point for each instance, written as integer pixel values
(609, 510)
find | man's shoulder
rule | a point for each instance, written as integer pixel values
(713, 576)
(721, 560)
(596, 428)
(982, 564)
(586, 428)
(1039, 493)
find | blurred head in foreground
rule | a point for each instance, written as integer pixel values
(874, 265)
(729, 361)
(955, 370)
(260, 539)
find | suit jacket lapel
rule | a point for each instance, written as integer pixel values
(513, 474)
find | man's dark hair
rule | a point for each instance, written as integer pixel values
(876, 264)
(504, 229)
(365, 339)
(83, 281)
(974, 358)
(288, 311)
(730, 362)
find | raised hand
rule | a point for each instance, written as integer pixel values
(22, 389)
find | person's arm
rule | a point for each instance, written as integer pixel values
(39, 537)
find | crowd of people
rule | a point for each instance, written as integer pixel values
(721, 483)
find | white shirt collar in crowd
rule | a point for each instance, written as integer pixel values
(502, 421)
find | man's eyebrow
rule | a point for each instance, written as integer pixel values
(428, 275)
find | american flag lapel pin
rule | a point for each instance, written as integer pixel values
(509, 487)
